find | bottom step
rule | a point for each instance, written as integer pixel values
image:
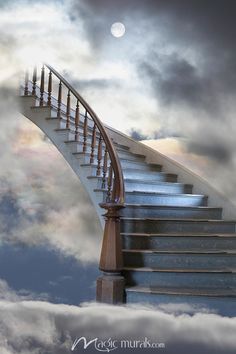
(185, 300)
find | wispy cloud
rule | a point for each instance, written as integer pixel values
(41, 200)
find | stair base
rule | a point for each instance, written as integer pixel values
(190, 301)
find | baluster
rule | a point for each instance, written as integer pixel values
(85, 131)
(93, 144)
(42, 86)
(104, 169)
(26, 90)
(49, 88)
(99, 155)
(77, 122)
(109, 184)
(59, 100)
(34, 81)
(68, 111)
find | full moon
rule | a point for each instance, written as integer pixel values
(118, 29)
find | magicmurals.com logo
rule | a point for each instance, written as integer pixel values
(110, 344)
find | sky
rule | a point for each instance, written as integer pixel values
(169, 81)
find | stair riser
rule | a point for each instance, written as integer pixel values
(78, 147)
(175, 279)
(95, 183)
(158, 212)
(133, 198)
(81, 127)
(179, 261)
(149, 226)
(67, 135)
(133, 164)
(147, 176)
(139, 166)
(224, 305)
(130, 156)
(179, 243)
(145, 211)
(71, 136)
(86, 158)
(171, 188)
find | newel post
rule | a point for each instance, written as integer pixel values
(110, 285)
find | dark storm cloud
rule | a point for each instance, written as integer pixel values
(206, 26)
(175, 80)
(213, 150)
(215, 20)
(188, 60)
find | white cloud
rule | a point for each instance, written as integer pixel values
(42, 327)
(49, 205)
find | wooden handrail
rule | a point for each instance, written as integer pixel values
(110, 286)
(118, 191)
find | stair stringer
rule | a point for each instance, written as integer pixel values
(200, 186)
(39, 116)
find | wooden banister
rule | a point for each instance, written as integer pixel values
(110, 286)
(115, 162)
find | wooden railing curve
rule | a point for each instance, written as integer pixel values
(110, 286)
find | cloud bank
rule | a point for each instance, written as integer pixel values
(42, 327)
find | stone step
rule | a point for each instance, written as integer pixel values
(151, 198)
(158, 225)
(193, 278)
(63, 119)
(156, 211)
(85, 157)
(92, 168)
(180, 260)
(96, 182)
(77, 147)
(179, 241)
(120, 146)
(69, 136)
(136, 174)
(130, 155)
(126, 163)
(157, 187)
(182, 300)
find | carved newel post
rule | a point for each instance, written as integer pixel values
(110, 285)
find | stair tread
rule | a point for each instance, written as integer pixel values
(184, 234)
(195, 251)
(161, 194)
(140, 162)
(141, 180)
(165, 183)
(130, 169)
(171, 206)
(131, 153)
(231, 292)
(154, 182)
(196, 270)
(62, 129)
(165, 194)
(88, 153)
(180, 220)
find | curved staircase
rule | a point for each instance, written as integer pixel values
(168, 236)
